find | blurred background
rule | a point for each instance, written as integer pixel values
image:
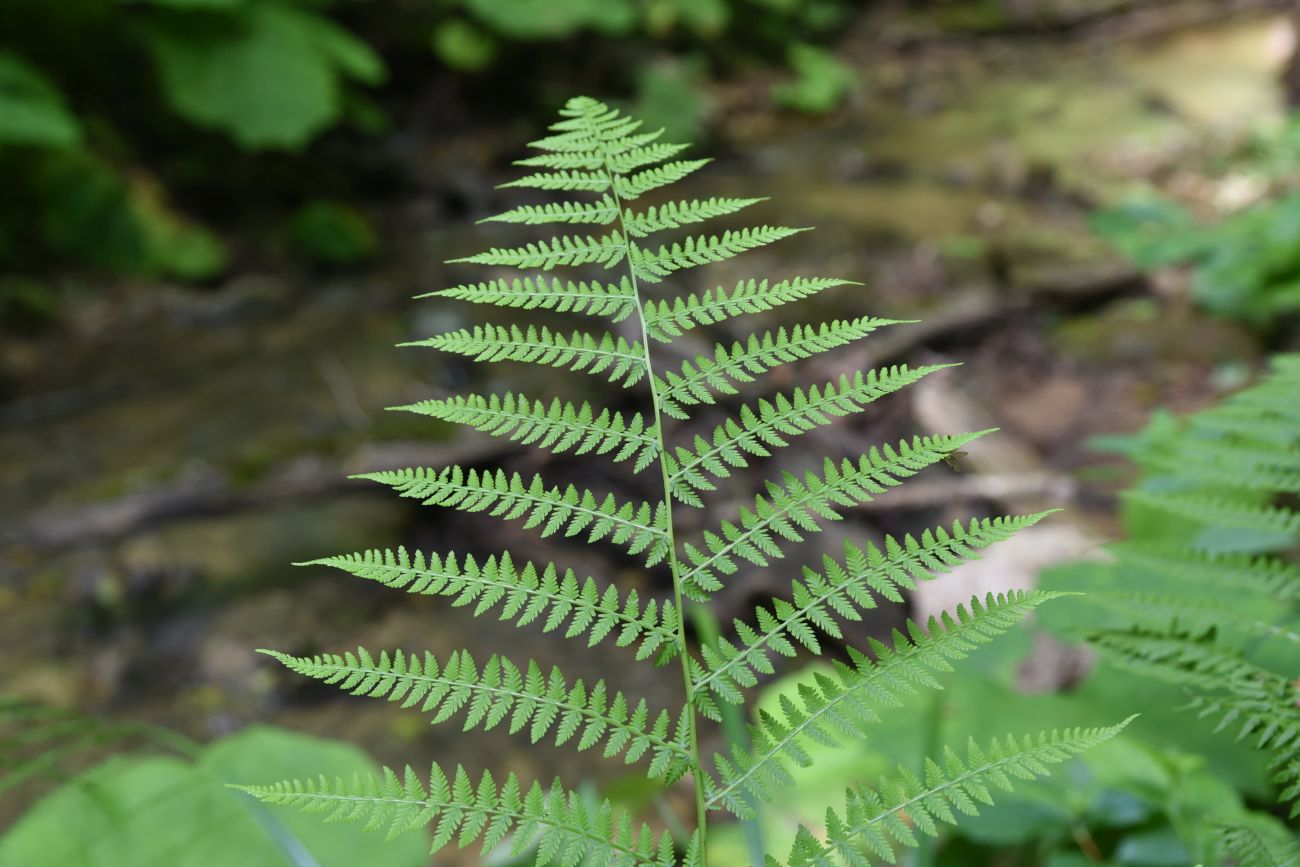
(215, 213)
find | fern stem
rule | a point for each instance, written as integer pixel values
(683, 655)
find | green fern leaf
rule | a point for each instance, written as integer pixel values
(841, 705)
(652, 267)
(665, 321)
(873, 822)
(1189, 612)
(591, 182)
(567, 250)
(524, 594)
(843, 589)
(1222, 511)
(593, 299)
(559, 427)
(600, 213)
(630, 187)
(620, 360)
(698, 380)
(757, 431)
(1213, 572)
(640, 529)
(798, 505)
(1260, 845)
(554, 822)
(544, 705)
(673, 215)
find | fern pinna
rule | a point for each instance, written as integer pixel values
(597, 151)
(1210, 577)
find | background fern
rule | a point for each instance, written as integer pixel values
(1203, 594)
(597, 151)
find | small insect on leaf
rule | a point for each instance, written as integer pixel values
(952, 459)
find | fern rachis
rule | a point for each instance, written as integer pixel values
(596, 151)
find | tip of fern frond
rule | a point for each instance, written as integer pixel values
(274, 654)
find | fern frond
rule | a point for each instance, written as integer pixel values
(797, 506)
(873, 822)
(567, 250)
(638, 156)
(592, 299)
(1222, 511)
(1213, 572)
(1259, 704)
(524, 594)
(1237, 465)
(666, 320)
(622, 361)
(586, 144)
(562, 179)
(1256, 423)
(702, 250)
(629, 187)
(843, 589)
(1189, 612)
(525, 699)
(1220, 681)
(599, 213)
(1255, 846)
(698, 380)
(758, 431)
(561, 824)
(559, 427)
(639, 528)
(841, 705)
(672, 215)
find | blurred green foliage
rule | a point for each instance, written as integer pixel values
(1245, 265)
(164, 810)
(333, 233)
(820, 80)
(113, 111)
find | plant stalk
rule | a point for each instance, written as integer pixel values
(701, 810)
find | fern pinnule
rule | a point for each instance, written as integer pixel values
(638, 527)
(524, 698)
(798, 506)
(589, 297)
(874, 822)
(760, 429)
(697, 381)
(844, 588)
(595, 354)
(841, 705)
(554, 822)
(597, 160)
(559, 427)
(525, 594)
